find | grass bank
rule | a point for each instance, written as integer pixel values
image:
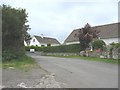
(90, 59)
(25, 63)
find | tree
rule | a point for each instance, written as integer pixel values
(86, 35)
(98, 44)
(13, 32)
(27, 36)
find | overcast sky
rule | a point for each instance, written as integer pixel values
(58, 18)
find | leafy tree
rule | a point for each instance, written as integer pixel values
(13, 32)
(98, 44)
(86, 35)
(27, 36)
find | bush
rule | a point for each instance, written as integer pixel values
(14, 30)
(115, 45)
(8, 55)
(98, 44)
(74, 48)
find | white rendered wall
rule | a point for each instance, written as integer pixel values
(72, 43)
(55, 44)
(32, 43)
(110, 40)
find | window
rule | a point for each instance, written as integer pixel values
(33, 40)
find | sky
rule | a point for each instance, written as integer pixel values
(58, 18)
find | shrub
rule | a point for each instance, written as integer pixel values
(9, 55)
(74, 48)
(14, 30)
(98, 44)
(115, 45)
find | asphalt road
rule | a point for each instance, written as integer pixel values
(76, 73)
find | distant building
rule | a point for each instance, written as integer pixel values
(108, 33)
(43, 41)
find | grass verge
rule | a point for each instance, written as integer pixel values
(112, 61)
(25, 63)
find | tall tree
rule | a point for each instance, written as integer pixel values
(86, 35)
(13, 31)
(27, 36)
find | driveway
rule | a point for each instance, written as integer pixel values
(76, 73)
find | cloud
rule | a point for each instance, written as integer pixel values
(57, 19)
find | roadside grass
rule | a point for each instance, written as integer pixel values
(25, 63)
(112, 61)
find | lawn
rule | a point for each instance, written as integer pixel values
(91, 59)
(25, 63)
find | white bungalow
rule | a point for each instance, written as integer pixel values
(108, 33)
(43, 41)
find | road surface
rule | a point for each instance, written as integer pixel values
(76, 73)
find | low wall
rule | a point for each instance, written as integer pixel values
(61, 54)
(90, 54)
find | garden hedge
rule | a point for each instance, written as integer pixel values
(74, 48)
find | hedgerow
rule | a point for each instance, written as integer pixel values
(74, 48)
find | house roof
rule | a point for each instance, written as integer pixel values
(47, 40)
(71, 37)
(106, 31)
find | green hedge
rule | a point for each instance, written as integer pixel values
(74, 48)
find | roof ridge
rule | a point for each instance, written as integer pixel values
(106, 24)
